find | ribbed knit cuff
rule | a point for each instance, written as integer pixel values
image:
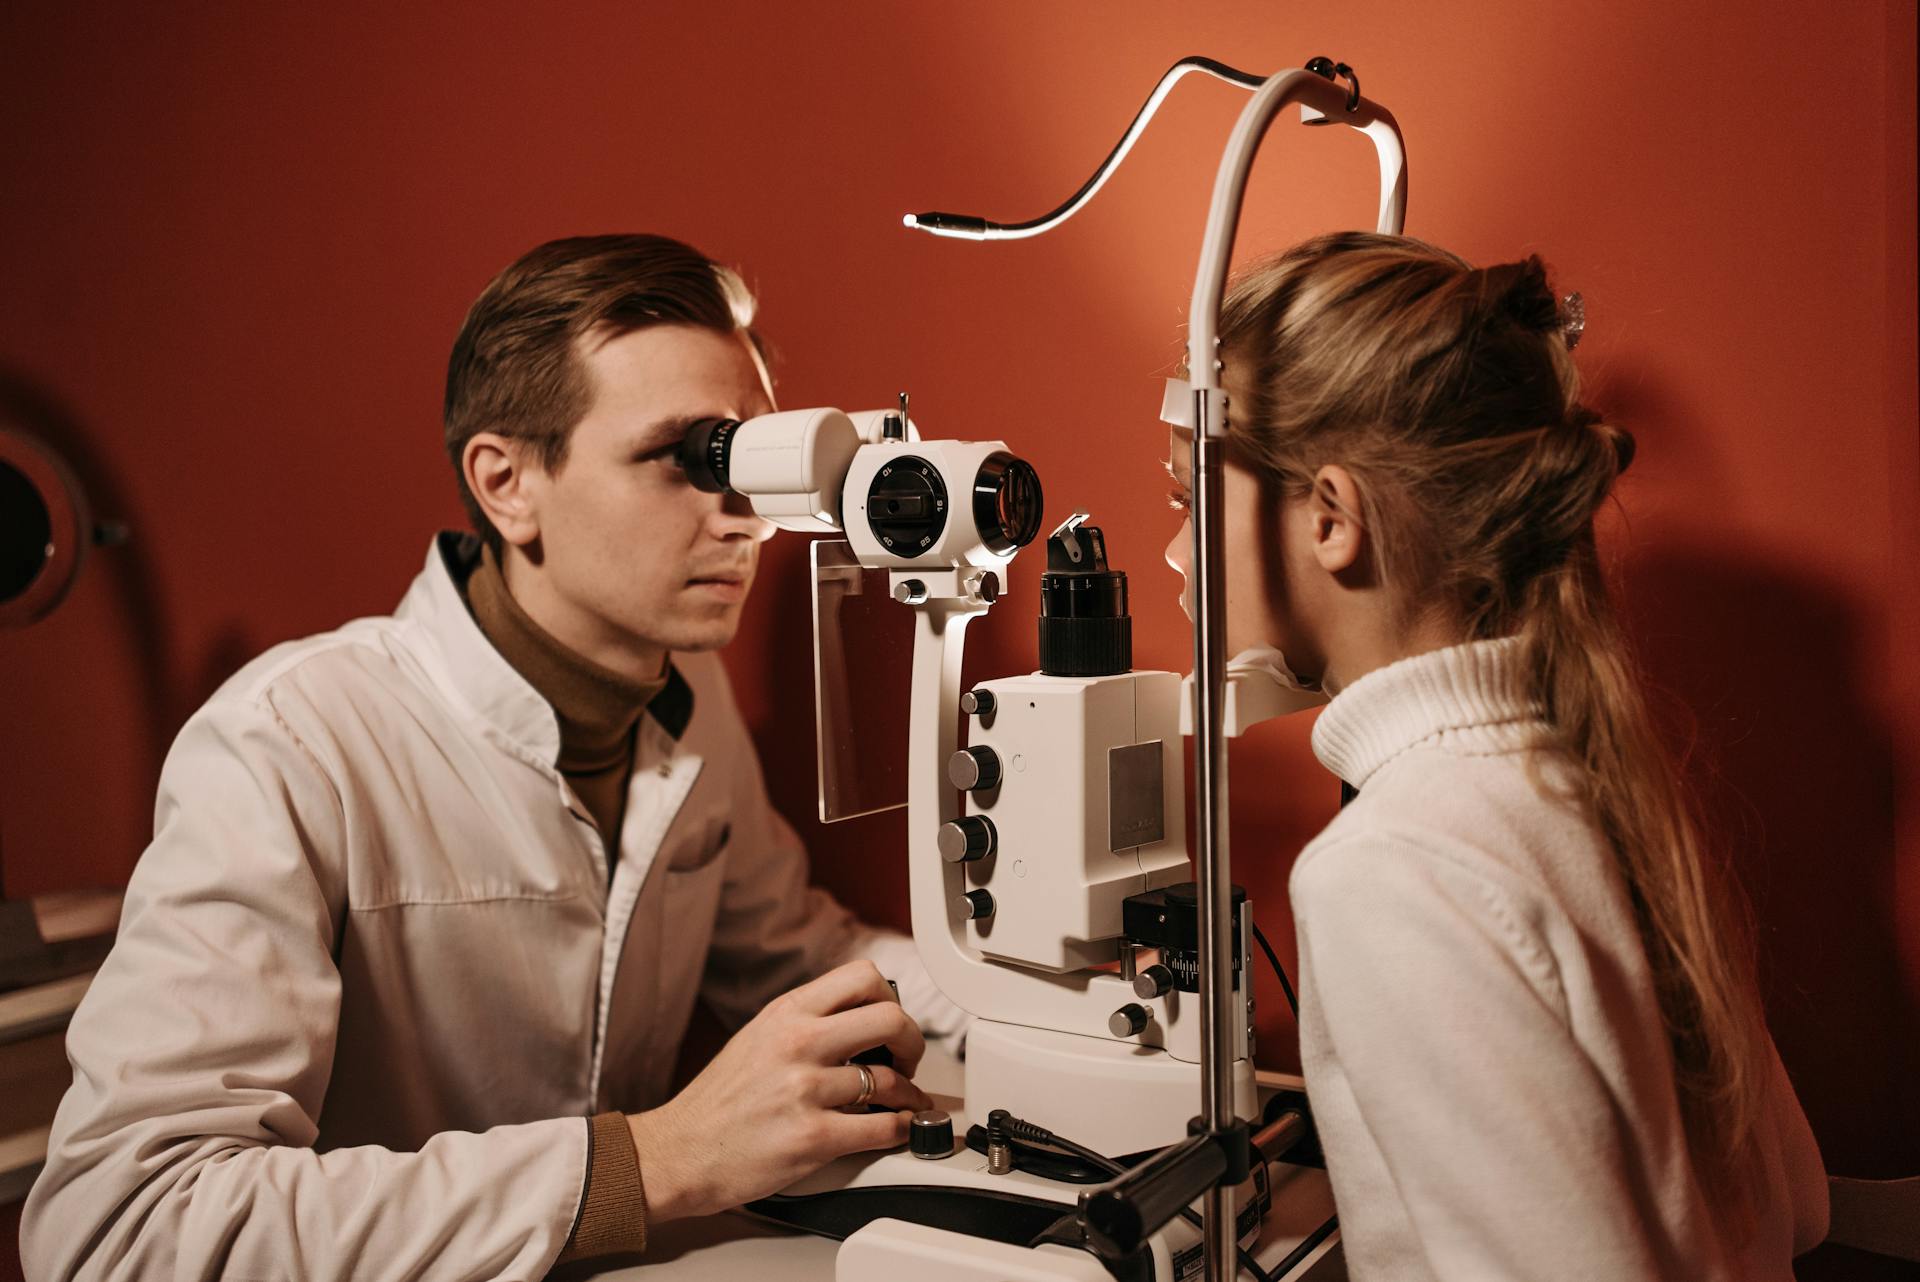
(613, 1214)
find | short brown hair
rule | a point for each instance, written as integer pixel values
(515, 367)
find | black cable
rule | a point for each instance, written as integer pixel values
(973, 225)
(1307, 1244)
(1278, 969)
(1041, 1135)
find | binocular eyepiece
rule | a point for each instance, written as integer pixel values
(901, 500)
(706, 451)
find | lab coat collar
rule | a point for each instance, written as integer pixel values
(479, 678)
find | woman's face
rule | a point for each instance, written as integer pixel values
(1268, 562)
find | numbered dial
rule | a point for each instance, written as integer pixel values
(907, 506)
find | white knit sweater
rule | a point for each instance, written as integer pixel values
(1478, 1026)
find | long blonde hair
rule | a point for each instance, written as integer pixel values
(1449, 394)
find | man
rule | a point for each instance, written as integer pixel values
(400, 983)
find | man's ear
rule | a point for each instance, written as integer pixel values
(1339, 538)
(502, 478)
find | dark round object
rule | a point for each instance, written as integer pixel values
(1085, 630)
(1128, 1020)
(931, 1134)
(907, 506)
(979, 904)
(706, 453)
(1007, 502)
(1155, 981)
(46, 528)
(26, 532)
(977, 703)
(974, 769)
(967, 838)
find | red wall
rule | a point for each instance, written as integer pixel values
(234, 249)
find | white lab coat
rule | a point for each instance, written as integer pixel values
(371, 978)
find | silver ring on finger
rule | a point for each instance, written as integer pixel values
(866, 1086)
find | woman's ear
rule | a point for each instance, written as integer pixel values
(498, 475)
(1338, 537)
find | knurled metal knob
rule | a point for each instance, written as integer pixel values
(1128, 1021)
(967, 838)
(977, 703)
(978, 905)
(974, 769)
(931, 1134)
(1155, 981)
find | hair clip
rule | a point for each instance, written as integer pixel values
(1573, 319)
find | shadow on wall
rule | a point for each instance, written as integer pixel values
(167, 694)
(130, 566)
(1796, 775)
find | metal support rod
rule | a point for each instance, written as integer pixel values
(1215, 884)
(1277, 1138)
(1210, 615)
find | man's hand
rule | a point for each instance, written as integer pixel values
(766, 1111)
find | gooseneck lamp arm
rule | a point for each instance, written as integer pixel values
(1203, 409)
(973, 227)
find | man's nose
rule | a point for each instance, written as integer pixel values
(735, 518)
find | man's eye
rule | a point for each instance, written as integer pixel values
(1178, 499)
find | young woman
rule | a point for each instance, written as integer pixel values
(1528, 1017)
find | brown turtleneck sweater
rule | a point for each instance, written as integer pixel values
(598, 711)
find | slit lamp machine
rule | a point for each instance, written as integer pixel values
(1047, 854)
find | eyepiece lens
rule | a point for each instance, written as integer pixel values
(1007, 502)
(706, 452)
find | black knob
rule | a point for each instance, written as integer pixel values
(931, 1134)
(1155, 981)
(978, 903)
(977, 703)
(974, 769)
(1128, 1020)
(967, 838)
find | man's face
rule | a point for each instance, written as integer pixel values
(630, 557)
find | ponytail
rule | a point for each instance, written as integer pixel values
(1449, 394)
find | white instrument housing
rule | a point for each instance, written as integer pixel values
(792, 464)
(1080, 757)
(956, 464)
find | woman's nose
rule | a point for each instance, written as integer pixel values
(1179, 546)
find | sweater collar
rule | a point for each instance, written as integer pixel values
(476, 674)
(596, 707)
(1471, 690)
